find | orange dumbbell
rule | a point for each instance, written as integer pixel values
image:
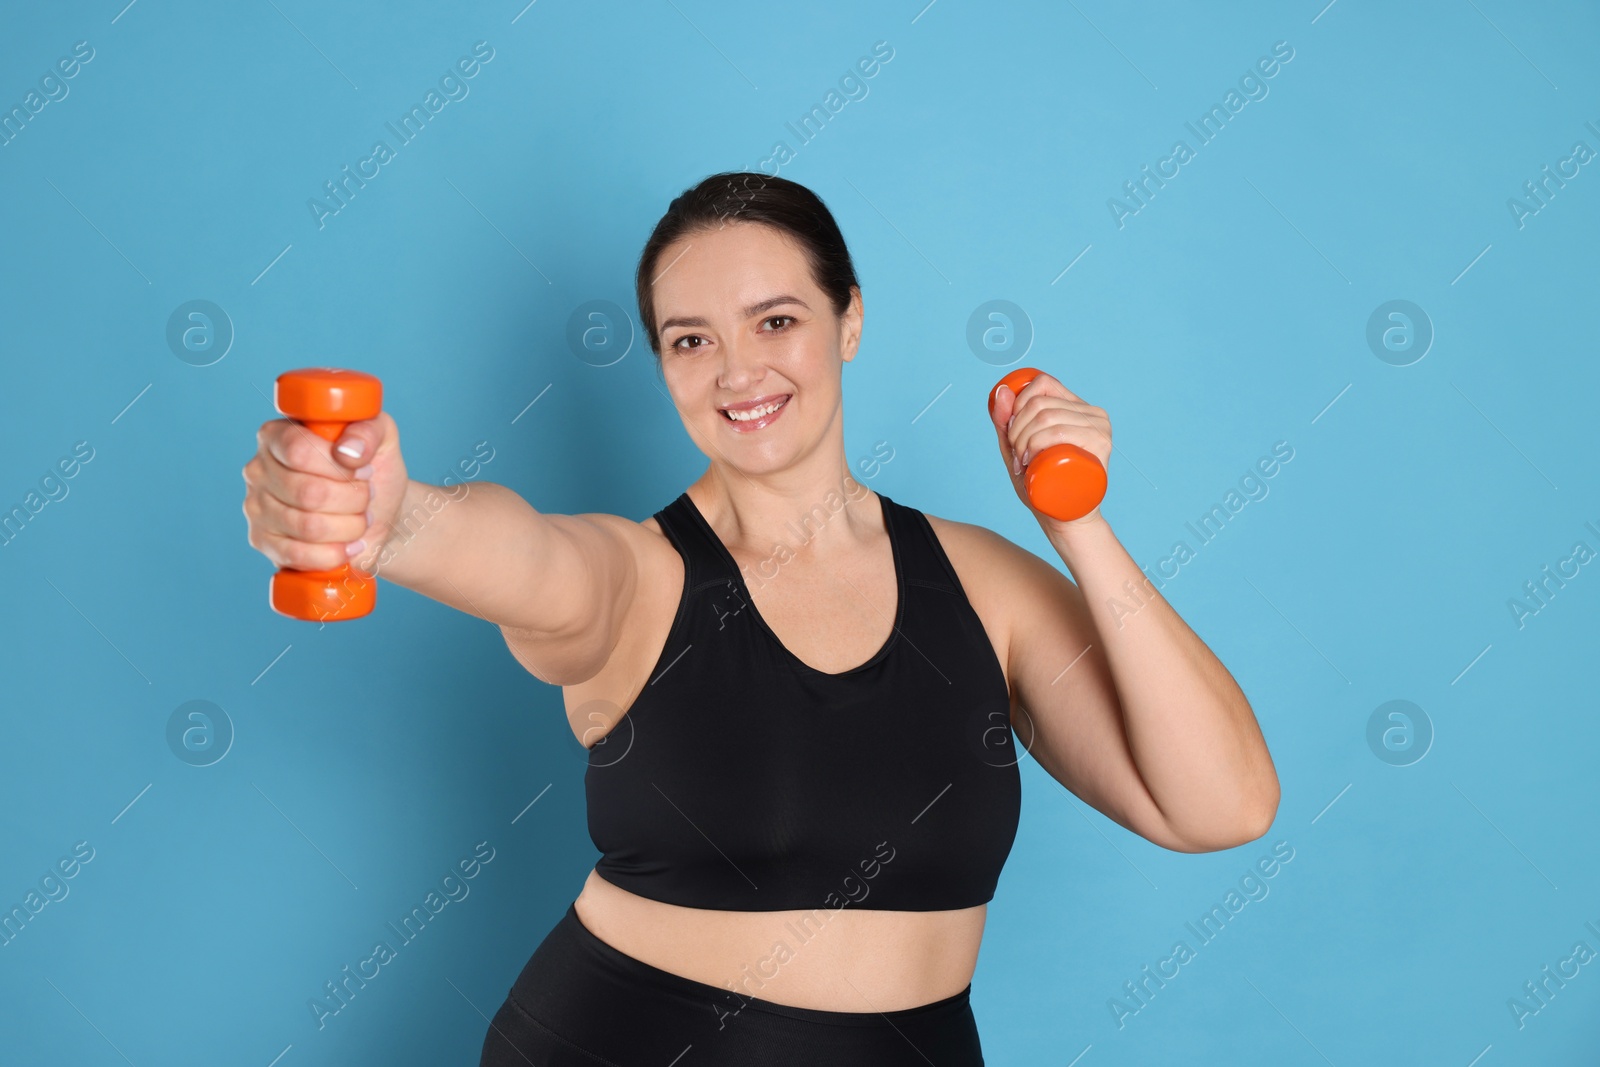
(324, 400)
(1063, 481)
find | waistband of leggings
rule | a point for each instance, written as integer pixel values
(681, 985)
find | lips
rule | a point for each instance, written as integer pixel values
(747, 424)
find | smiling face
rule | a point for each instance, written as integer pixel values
(751, 347)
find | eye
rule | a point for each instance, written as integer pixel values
(777, 318)
(678, 345)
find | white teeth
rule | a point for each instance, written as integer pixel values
(756, 413)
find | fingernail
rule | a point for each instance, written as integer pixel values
(369, 517)
(372, 492)
(353, 447)
(354, 548)
(1016, 464)
(364, 472)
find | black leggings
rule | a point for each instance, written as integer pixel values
(581, 1002)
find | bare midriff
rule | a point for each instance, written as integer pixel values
(833, 959)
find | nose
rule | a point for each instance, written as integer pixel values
(741, 365)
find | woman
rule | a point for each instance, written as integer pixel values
(798, 695)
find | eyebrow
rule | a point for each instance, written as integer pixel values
(754, 309)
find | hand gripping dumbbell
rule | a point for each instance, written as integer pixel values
(1063, 481)
(324, 400)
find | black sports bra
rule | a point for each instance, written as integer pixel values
(742, 779)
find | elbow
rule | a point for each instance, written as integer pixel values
(1252, 819)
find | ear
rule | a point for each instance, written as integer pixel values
(850, 326)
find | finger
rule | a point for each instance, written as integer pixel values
(1050, 384)
(1004, 407)
(297, 448)
(1031, 409)
(1088, 429)
(297, 555)
(317, 527)
(359, 443)
(309, 492)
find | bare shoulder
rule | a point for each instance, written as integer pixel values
(1004, 581)
(613, 570)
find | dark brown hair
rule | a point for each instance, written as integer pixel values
(745, 196)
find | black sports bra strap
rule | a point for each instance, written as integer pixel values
(701, 556)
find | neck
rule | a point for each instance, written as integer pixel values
(811, 511)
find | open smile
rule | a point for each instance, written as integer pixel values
(755, 414)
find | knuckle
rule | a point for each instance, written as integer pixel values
(313, 494)
(310, 526)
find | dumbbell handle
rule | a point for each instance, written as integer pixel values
(325, 400)
(1063, 481)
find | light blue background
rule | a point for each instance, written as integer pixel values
(1227, 315)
